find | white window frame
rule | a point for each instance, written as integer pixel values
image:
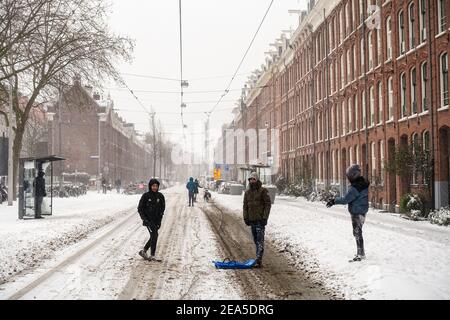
(390, 98)
(444, 81)
(413, 90)
(422, 20)
(349, 114)
(403, 89)
(401, 33)
(370, 49)
(412, 24)
(441, 15)
(372, 105)
(389, 38)
(380, 102)
(424, 83)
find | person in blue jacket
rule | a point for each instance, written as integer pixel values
(191, 191)
(357, 199)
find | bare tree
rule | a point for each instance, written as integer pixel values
(73, 41)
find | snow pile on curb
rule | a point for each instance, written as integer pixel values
(440, 217)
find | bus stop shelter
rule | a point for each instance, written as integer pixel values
(28, 171)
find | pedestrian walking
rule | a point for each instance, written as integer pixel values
(151, 209)
(191, 191)
(257, 205)
(196, 190)
(357, 199)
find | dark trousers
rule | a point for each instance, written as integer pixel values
(151, 243)
(191, 198)
(357, 223)
(38, 206)
(258, 232)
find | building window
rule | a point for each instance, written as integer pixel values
(349, 68)
(370, 49)
(422, 21)
(389, 38)
(363, 106)
(363, 58)
(380, 103)
(374, 160)
(412, 20)
(382, 160)
(372, 106)
(350, 155)
(344, 119)
(355, 61)
(403, 94)
(444, 79)
(357, 154)
(379, 50)
(401, 33)
(348, 12)
(442, 11)
(342, 70)
(342, 27)
(355, 99)
(350, 115)
(390, 106)
(416, 145)
(426, 141)
(361, 11)
(413, 91)
(424, 87)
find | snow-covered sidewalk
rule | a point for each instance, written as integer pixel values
(26, 243)
(405, 259)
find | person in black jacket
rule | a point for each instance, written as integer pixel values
(39, 194)
(151, 209)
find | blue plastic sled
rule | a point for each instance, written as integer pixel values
(234, 264)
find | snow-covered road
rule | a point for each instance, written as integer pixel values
(105, 265)
(405, 259)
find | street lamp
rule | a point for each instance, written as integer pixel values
(101, 118)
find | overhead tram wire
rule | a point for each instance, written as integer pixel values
(181, 70)
(227, 90)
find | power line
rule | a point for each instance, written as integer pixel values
(185, 92)
(243, 58)
(149, 77)
(181, 68)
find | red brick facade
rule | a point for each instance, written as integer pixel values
(344, 91)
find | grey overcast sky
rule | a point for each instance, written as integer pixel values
(215, 37)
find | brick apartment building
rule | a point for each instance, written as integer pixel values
(357, 80)
(83, 125)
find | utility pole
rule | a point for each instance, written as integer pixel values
(160, 155)
(154, 144)
(207, 125)
(60, 142)
(10, 150)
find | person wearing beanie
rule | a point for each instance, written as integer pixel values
(357, 199)
(256, 211)
(151, 209)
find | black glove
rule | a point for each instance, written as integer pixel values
(331, 203)
(247, 222)
(264, 222)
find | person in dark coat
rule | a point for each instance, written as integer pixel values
(191, 191)
(39, 194)
(357, 199)
(151, 209)
(196, 190)
(256, 211)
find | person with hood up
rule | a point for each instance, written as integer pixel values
(191, 191)
(151, 209)
(256, 211)
(357, 199)
(196, 189)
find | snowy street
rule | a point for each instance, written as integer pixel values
(88, 250)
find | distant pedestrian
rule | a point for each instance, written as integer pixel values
(191, 191)
(118, 185)
(104, 185)
(256, 210)
(151, 209)
(196, 190)
(357, 199)
(39, 194)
